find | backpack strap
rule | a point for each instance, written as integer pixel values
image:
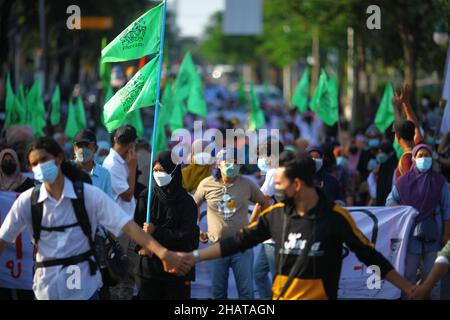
(83, 219)
(37, 209)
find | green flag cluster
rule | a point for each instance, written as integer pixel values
(300, 97)
(241, 93)
(25, 109)
(325, 99)
(256, 116)
(385, 114)
(141, 38)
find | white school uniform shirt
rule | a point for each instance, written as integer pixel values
(58, 283)
(118, 169)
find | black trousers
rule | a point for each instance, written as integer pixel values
(155, 289)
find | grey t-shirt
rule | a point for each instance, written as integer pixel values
(227, 210)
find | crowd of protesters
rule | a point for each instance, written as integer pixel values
(317, 171)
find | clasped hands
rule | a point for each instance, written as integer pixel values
(179, 263)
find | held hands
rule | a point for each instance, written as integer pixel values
(419, 293)
(179, 263)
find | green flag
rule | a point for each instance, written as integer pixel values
(161, 139)
(9, 103)
(55, 115)
(189, 88)
(139, 39)
(134, 118)
(256, 118)
(36, 109)
(137, 93)
(72, 126)
(241, 93)
(324, 101)
(170, 113)
(104, 70)
(80, 114)
(385, 114)
(300, 97)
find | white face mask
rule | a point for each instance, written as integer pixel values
(163, 178)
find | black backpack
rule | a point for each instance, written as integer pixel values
(107, 253)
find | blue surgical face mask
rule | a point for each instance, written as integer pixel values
(230, 170)
(372, 164)
(382, 157)
(341, 161)
(46, 172)
(263, 165)
(374, 143)
(424, 164)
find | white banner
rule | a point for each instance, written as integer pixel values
(388, 228)
(16, 262)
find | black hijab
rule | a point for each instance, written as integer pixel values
(174, 192)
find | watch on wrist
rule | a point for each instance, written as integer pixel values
(196, 255)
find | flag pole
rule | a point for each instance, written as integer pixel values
(155, 120)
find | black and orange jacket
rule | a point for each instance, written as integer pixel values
(316, 238)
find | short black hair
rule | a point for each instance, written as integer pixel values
(301, 167)
(286, 156)
(405, 129)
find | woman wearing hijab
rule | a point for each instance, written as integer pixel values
(198, 169)
(11, 179)
(173, 221)
(428, 193)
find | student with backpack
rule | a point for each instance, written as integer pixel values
(58, 215)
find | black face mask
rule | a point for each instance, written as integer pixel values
(353, 150)
(9, 167)
(281, 196)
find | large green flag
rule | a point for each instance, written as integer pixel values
(134, 118)
(80, 114)
(300, 97)
(324, 101)
(385, 114)
(139, 92)
(55, 115)
(36, 109)
(256, 117)
(241, 93)
(104, 70)
(139, 39)
(161, 139)
(189, 88)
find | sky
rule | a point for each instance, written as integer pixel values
(193, 15)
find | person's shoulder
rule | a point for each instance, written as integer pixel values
(101, 170)
(207, 181)
(275, 208)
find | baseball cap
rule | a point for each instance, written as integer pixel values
(85, 135)
(125, 134)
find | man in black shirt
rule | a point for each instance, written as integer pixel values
(309, 233)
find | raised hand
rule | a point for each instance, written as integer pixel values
(203, 237)
(149, 227)
(179, 263)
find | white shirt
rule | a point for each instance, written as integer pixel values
(118, 169)
(58, 283)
